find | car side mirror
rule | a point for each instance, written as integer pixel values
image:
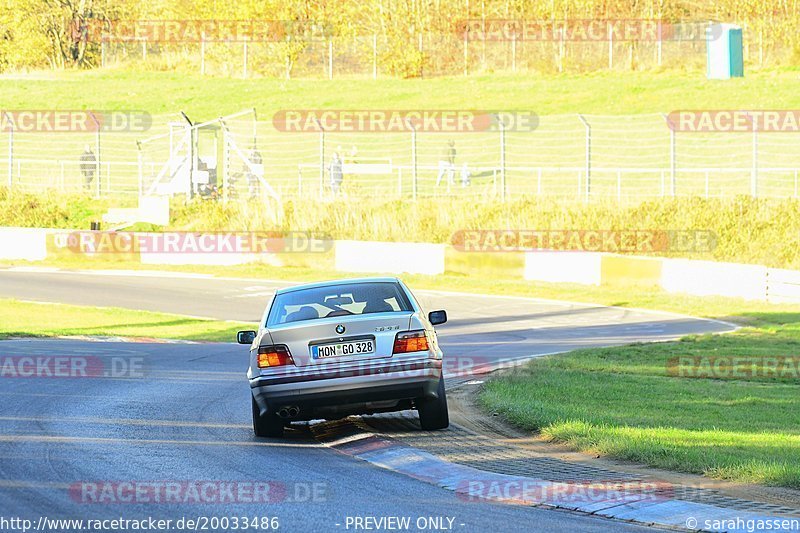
(437, 317)
(246, 337)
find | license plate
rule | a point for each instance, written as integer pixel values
(339, 349)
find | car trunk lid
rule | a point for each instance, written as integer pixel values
(302, 336)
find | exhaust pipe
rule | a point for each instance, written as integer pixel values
(288, 412)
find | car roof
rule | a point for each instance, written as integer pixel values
(334, 282)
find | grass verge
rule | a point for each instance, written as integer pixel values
(685, 405)
(204, 97)
(33, 319)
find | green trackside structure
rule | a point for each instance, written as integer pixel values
(724, 52)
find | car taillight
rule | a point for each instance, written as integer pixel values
(277, 355)
(410, 341)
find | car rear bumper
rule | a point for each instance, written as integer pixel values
(364, 387)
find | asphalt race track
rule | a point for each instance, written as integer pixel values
(180, 413)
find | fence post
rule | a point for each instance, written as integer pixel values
(619, 185)
(400, 182)
(466, 52)
(539, 182)
(514, 52)
(140, 161)
(244, 58)
(299, 180)
(421, 58)
(224, 178)
(203, 54)
(222, 165)
(630, 56)
(144, 49)
(97, 154)
(745, 42)
(659, 44)
(413, 158)
(588, 156)
(672, 154)
(374, 56)
(189, 136)
(502, 158)
(754, 173)
(103, 53)
(321, 158)
(610, 47)
(330, 59)
(109, 188)
(561, 49)
(10, 149)
(673, 162)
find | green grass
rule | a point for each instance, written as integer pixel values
(208, 97)
(625, 403)
(24, 319)
(50, 209)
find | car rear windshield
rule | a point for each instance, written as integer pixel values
(338, 300)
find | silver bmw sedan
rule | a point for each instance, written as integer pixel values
(339, 348)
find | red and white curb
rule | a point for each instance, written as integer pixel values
(651, 504)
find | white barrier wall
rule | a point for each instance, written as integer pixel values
(563, 267)
(709, 278)
(700, 278)
(152, 209)
(203, 258)
(391, 257)
(29, 244)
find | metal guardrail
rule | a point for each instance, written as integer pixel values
(583, 157)
(614, 182)
(65, 175)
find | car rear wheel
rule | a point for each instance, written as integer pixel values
(433, 411)
(269, 425)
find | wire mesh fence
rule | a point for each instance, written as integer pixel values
(424, 54)
(628, 158)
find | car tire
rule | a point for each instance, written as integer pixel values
(269, 425)
(433, 411)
